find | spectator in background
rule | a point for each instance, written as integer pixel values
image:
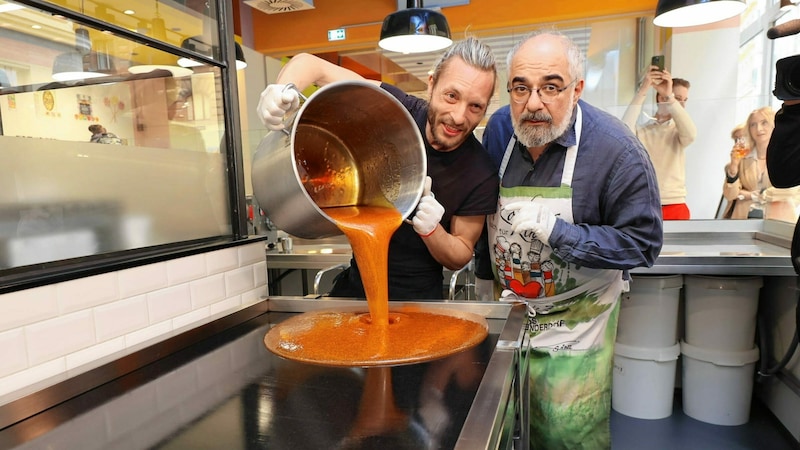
(742, 146)
(747, 183)
(101, 136)
(665, 137)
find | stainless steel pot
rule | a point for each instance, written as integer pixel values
(350, 143)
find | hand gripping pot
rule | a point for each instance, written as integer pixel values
(350, 143)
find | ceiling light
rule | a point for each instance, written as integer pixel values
(74, 65)
(688, 13)
(415, 30)
(196, 44)
(82, 63)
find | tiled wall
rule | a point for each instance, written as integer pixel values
(148, 414)
(62, 328)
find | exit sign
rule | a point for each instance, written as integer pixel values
(336, 35)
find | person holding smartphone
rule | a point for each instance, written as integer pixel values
(666, 135)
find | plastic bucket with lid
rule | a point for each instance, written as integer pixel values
(718, 385)
(648, 315)
(721, 312)
(644, 380)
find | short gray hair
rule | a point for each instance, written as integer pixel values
(574, 53)
(473, 52)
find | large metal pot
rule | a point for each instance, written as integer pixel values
(350, 143)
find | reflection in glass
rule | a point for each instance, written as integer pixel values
(64, 196)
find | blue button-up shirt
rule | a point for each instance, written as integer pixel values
(615, 200)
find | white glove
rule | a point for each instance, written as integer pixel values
(276, 101)
(534, 217)
(429, 212)
(510, 296)
(484, 289)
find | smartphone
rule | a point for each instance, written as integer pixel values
(658, 60)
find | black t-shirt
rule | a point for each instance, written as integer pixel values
(464, 181)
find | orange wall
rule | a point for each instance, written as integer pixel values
(289, 33)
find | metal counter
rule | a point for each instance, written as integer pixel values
(227, 391)
(703, 247)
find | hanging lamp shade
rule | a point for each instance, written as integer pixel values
(82, 63)
(197, 45)
(415, 30)
(689, 13)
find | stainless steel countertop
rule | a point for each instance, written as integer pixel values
(705, 247)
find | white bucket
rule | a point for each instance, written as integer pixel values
(721, 312)
(718, 385)
(644, 381)
(648, 315)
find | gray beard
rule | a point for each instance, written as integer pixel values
(532, 137)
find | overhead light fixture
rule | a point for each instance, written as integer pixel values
(148, 59)
(196, 44)
(82, 63)
(689, 13)
(415, 30)
(74, 65)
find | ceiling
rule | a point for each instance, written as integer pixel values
(498, 23)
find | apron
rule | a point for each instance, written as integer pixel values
(573, 320)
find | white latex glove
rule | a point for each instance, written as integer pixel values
(510, 296)
(532, 216)
(484, 289)
(429, 212)
(276, 101)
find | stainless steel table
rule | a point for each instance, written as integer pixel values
(225, 390)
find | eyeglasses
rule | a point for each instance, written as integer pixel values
(547, 93)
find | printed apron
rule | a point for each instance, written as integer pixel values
(572, 321)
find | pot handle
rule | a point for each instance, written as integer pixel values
(291, 119)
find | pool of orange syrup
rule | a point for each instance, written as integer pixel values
(377, 336)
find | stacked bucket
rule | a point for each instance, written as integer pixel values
(719, 350)
(647, 347)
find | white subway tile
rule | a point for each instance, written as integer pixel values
(83, 293)
(33, 375)
(239, 280)
(207, 290)
(95, 352)
(146, 334)
(260, 273)
(142, 279)
(196, 317)
(186, 269)
(121, 317)
(58, 337)
(252, 253)
(254, 296)
(29, 306)
(15, 355)
(230, 304)
(222, 260)
(168, 303)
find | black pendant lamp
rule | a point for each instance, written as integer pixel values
(415, 30)
(689, 13)
(196, 44)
